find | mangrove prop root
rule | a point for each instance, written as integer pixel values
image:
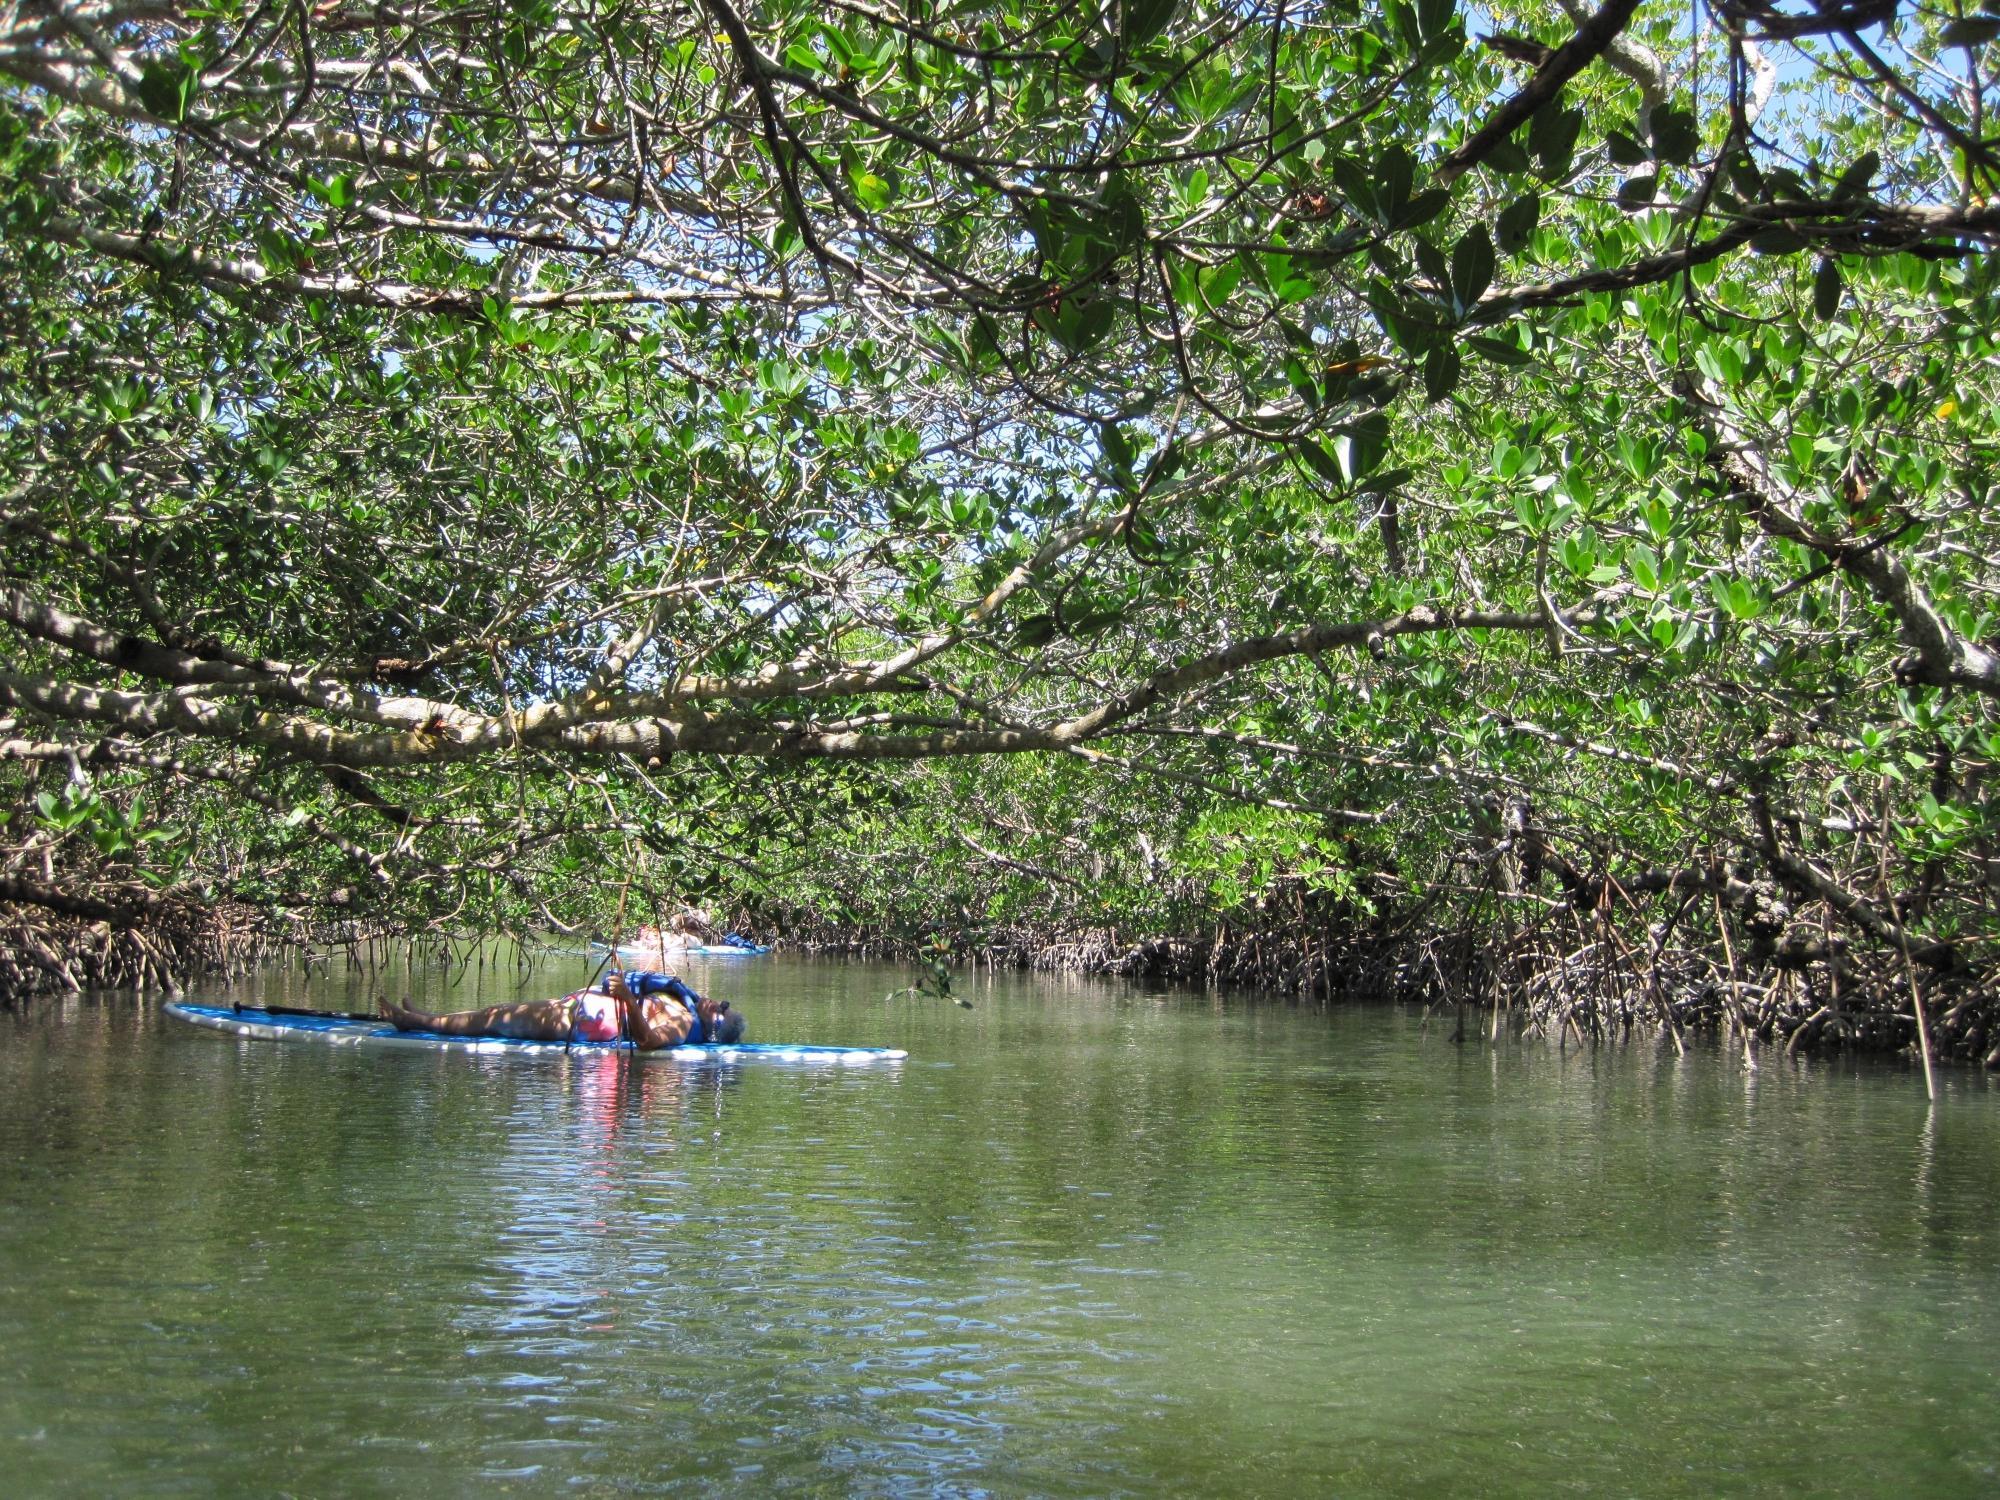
(50, 952)
(1560, 975)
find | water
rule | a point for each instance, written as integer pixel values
(1085, 1242)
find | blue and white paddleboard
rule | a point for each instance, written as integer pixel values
(352, 1031)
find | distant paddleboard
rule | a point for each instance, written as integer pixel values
(632, 953)
(362, 1031)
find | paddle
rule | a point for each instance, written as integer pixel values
(297, 1010)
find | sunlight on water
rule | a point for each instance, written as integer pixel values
(1084, 1242)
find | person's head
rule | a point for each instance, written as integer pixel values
(722, 1023)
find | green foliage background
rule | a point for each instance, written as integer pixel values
(1003, 467)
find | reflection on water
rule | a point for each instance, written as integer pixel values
(1086, 1241)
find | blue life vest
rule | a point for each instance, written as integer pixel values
(647, 982)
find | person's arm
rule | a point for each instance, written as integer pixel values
(650, 1027)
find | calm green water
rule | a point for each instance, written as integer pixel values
(1085, 1242)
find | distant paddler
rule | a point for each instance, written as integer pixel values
(686, 933)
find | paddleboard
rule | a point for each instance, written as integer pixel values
(664, 957)
(350, 1031)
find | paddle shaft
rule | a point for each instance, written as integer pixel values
(299, 1010)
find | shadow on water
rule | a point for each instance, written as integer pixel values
(1087, 1241)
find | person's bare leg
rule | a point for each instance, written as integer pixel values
(530, 1020)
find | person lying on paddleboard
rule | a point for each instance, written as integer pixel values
(649, 1009)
